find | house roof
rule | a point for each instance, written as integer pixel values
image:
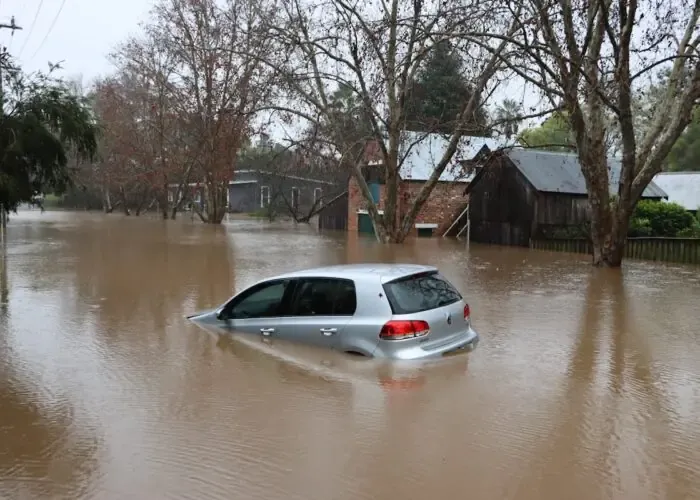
(682, 188)
(555, 172)
(281, 175)
(426, 150)
(421, 152)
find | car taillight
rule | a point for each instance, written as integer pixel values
(404, 329)
(467, 311)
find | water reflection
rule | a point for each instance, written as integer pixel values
(584, 385)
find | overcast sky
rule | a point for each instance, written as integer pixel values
(83, 32)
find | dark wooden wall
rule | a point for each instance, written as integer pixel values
(501, 206)
(335, 215)
(555, 209)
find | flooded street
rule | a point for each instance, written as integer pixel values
(585, 386)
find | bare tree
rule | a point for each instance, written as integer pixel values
(297, 180)
(375, 51)
(199, 64)
(592, 58)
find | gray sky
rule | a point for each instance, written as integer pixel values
(84, 32)
(81, 34)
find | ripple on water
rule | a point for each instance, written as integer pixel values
(584, 386)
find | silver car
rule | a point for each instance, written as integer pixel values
(396, 311)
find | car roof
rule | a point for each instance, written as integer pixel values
(385, 272)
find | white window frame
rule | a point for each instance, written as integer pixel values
(294, 188)
(318, 195)
(262, 198)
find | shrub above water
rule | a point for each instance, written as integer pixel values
(659, 218)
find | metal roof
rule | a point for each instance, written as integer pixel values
(682, 188)
(561, 172)
(426, 151)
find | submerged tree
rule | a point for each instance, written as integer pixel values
(201, 63)
(42, 120)
(591, 58)
(377, 52)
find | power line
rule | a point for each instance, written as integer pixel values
(53, 23)
(31, 28)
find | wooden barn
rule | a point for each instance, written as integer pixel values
(518, 194)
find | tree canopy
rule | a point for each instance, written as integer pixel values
(685, 153)
(553, 135)
(41, 123)
(437, 94)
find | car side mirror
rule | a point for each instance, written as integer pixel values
(222, 315)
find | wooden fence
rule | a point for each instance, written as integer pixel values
(683, 250)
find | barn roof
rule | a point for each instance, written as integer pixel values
(554, 172)
(682, 188)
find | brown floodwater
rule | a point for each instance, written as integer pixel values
(585, 386)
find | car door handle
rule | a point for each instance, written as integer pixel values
(267, 331)
(328, 331)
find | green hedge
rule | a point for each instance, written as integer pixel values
(662, 219)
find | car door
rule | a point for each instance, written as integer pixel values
(319, 310)
(261, 309)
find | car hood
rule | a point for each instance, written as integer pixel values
(202, 315)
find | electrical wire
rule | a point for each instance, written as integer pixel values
(53, 23)
(31, 28)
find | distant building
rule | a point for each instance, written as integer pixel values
(682, 188)
(422, 152)
(521, 194)
(253, 190)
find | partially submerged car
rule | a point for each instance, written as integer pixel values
(396, 311)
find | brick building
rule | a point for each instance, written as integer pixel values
(447, 199)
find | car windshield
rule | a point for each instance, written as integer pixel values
(420, 292)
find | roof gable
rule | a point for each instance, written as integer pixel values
(552, 172)
(421, 152)
(426, 151)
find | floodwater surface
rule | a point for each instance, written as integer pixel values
(585, 386)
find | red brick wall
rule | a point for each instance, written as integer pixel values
(444, 203)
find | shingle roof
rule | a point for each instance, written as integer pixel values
(428, 150)
(561, 172)
(682, 188)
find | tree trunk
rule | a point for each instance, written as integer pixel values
(107, 202)
(141, 203)
(125, 205)
(609, 235)
(216, 204)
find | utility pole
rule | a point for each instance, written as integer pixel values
(3, 62)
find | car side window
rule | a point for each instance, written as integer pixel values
(324, 297)
(265, 301)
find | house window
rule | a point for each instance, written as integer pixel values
(318, 193)
(426, 230)
(264, 196)
(295, 198)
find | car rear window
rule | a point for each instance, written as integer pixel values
(420, 292)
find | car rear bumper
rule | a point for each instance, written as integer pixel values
(467, 341)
